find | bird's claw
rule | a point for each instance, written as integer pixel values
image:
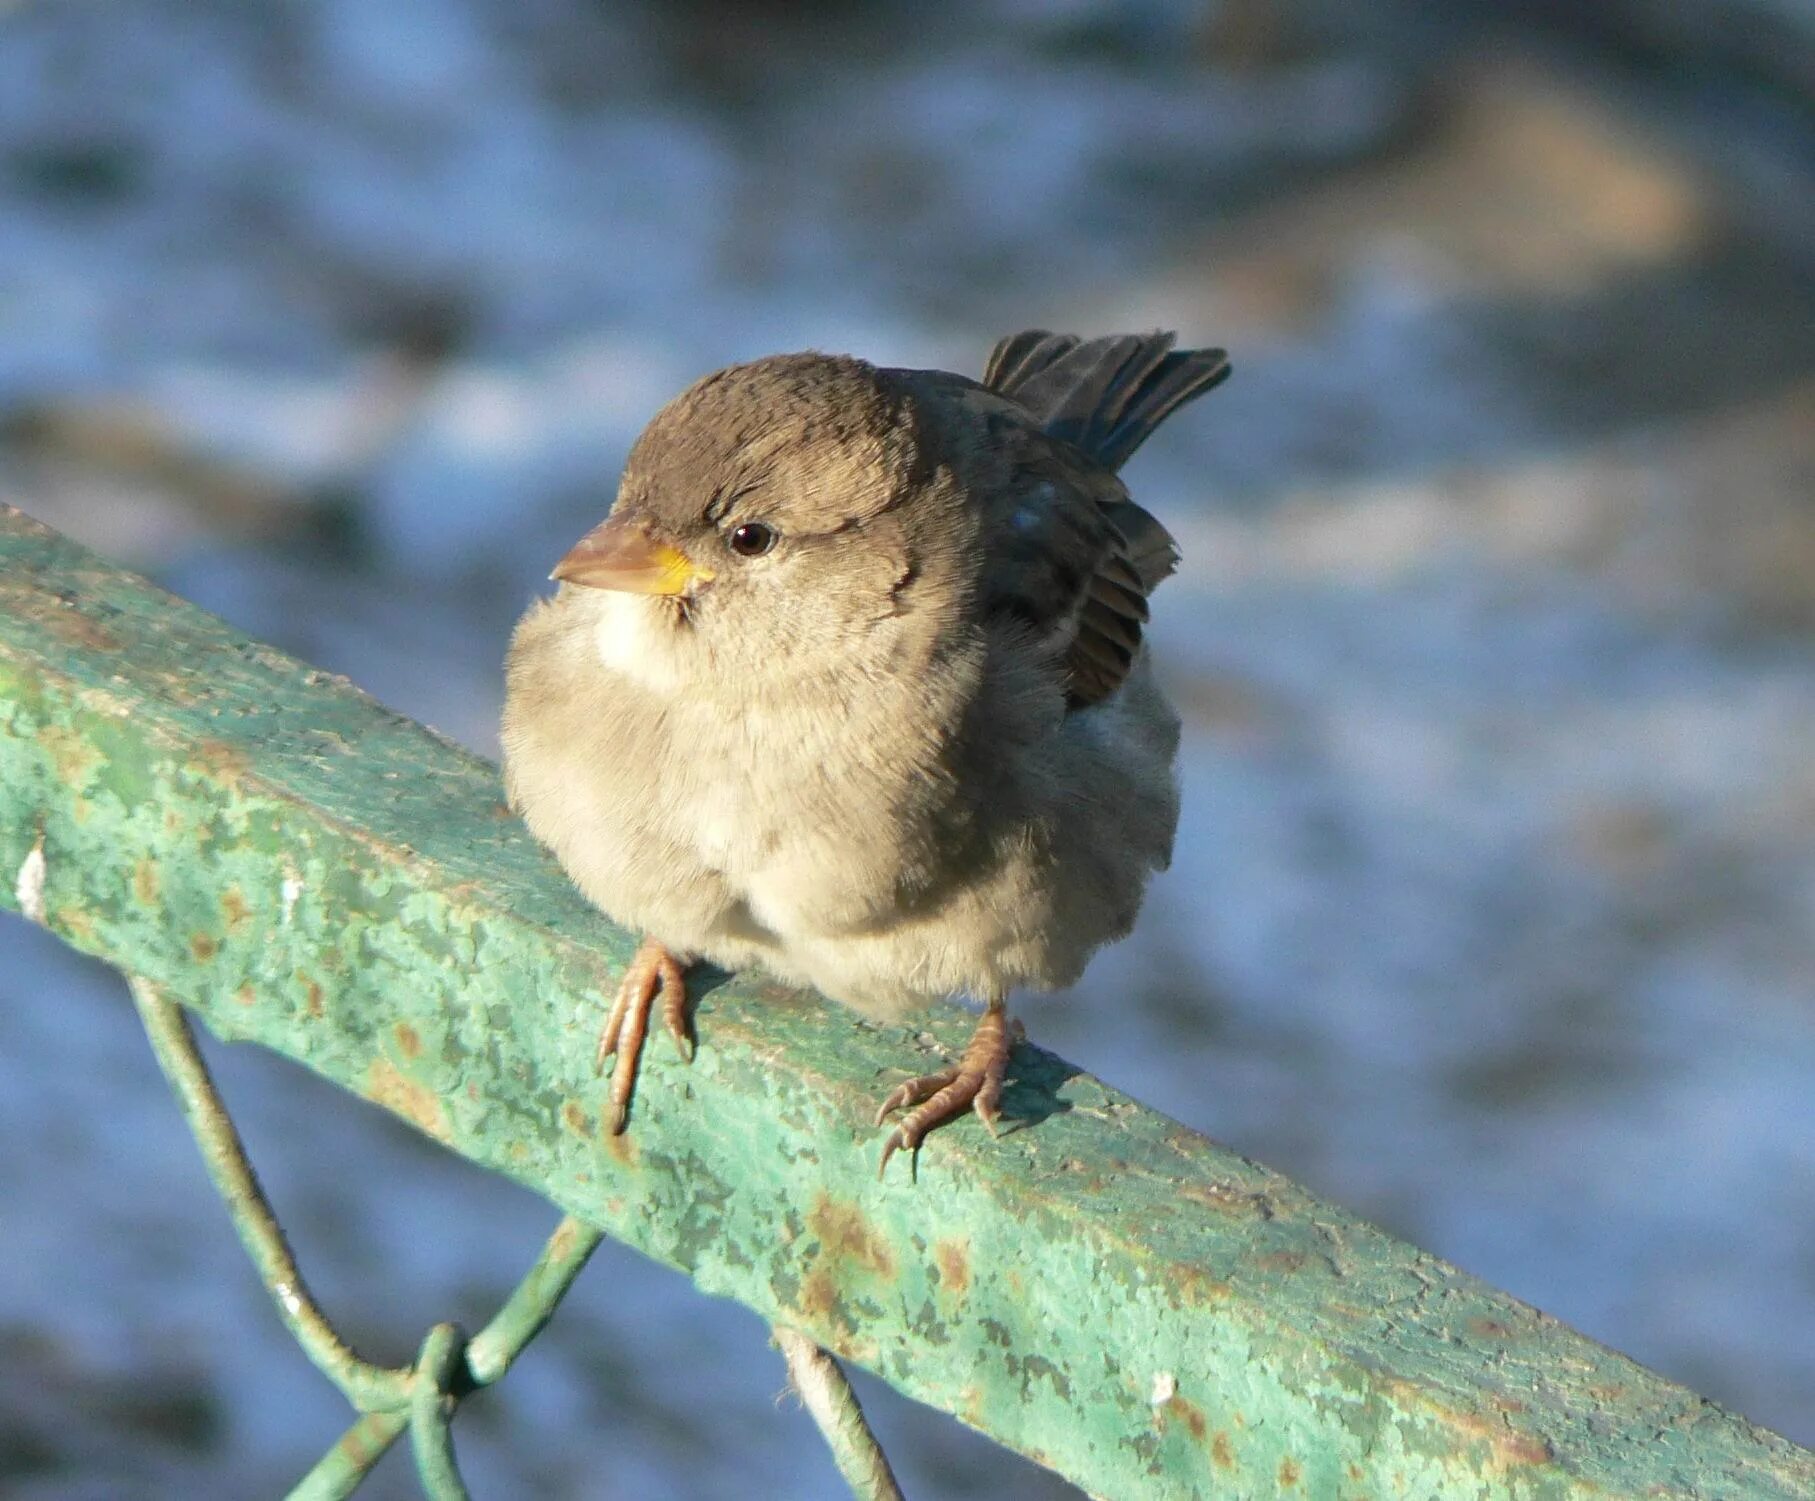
(975, 1081)
(652, 969)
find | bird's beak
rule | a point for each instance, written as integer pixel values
(619, 554)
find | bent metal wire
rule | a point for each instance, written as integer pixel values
(423, 1397)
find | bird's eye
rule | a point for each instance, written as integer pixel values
(752, 539)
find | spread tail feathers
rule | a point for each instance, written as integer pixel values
(1106, 395)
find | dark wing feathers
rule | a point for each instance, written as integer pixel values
(1069, 552)
(1106, 396)
(1021, 356)
(1114, 615)
(1066, 553)
(1057, 561)
(1147, 547)
(1096, 668)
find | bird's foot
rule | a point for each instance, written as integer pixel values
(652, 969)
(975, 1081)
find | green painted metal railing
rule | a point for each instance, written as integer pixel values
(1102, 1289)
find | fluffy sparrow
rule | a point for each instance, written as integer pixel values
(850, 685)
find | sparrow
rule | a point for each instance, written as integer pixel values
(850, 685)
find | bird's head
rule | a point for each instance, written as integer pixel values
(771, 519)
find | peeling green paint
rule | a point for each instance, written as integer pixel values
(1139, 1309)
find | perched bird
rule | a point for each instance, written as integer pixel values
(850, 685)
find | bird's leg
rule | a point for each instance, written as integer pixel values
(975, 1081)
(652, 968)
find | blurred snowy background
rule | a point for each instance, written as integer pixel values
(1494, 909)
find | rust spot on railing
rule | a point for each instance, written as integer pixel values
(1510, 1447)
(387, 1085)
(1188, 1413)
(846, 1235)
(72, 757)
(219, 759)
(953, 1258)
(234, 908)
(1193, 1285)
(818, 1297)
(70, 625)
(621, 1145)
